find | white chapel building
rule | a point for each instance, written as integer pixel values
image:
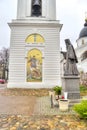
(81, 49)
(35, 45)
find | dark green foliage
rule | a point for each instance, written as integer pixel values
(57, 90)
(81, 109)
(83, 88)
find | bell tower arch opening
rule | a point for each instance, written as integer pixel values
(36, 8)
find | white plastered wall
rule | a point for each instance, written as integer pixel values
(51, 52)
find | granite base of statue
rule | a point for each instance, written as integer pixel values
(70, 84)
(70, 79)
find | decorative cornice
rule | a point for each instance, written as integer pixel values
(36, 23)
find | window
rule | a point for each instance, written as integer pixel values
(82, 41)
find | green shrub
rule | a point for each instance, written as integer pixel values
(83, 88)
(81, 109)
(57, 90)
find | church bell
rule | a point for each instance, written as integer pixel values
(36, 3)
(36, 8)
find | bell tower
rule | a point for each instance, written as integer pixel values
(35, 45)
(44, 9)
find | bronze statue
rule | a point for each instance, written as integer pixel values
(70, 67)
(36, 8)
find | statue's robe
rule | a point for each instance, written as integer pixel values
(71, 60)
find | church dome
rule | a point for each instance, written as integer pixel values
(83, 32)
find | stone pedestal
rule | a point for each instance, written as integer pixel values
(70, 84)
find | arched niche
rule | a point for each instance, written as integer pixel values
(35, 38)
(34, 66)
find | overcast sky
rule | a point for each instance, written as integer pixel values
(71, 14)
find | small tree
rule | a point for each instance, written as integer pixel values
(4, 62)
(57, 90)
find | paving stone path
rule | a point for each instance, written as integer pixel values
(34, 112)
(43, 107)
(56, 122)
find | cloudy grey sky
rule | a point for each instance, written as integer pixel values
(71, 14)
